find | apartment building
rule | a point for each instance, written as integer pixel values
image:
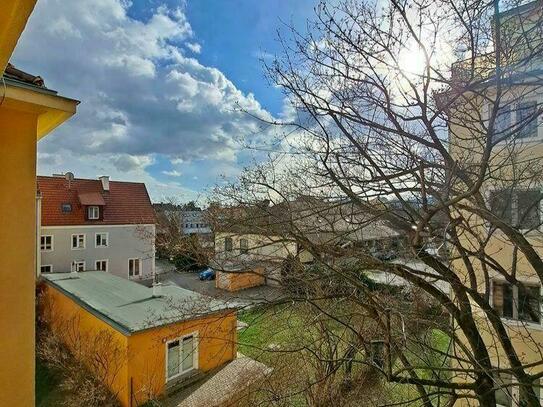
(97, 225)
(194, 222)
(507, 115)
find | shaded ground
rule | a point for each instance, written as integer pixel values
(190, 281)
(48, 391)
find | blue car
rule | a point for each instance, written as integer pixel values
(207, 274)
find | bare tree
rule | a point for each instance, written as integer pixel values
(416, 113)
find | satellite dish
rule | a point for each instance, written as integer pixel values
(69, 176)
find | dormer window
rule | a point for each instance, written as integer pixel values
(93, 212)
(66, 207)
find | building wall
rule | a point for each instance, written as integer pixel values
(76, 326)
(194, 222)
(142, 367)
(527, 338)
(240, 280)
(125, 242)
(270, 248)
(217, 339)
(17, 256)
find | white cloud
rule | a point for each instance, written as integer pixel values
(141, 95)
(172, 173)
(194, 47)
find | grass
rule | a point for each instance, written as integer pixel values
(48, 391)
(282, 326)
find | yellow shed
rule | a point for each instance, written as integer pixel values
(155, 339)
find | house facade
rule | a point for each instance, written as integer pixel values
(194, 222)
(513, 286)
(28, 112)
(98, 225)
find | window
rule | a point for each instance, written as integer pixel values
(528, 213)
(93, 212)
(78, 242)
(243, 246)
(134, 267)
(522, 303)
(66, 207)
(228, 244)
(46, 243)
(102, 239)
(527, 120)
(504, 395)
(46, 268)
(78, 265)
(101, 265)
(523, 399)
(502, 124)
(519, 208)
(181, 356)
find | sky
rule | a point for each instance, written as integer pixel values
(161, 85)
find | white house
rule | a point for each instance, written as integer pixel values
(98, 224)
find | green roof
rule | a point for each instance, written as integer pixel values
(131, 307)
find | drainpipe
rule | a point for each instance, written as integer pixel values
(38, 234)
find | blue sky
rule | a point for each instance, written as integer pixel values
(160, 84)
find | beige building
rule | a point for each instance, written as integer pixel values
(512, 190)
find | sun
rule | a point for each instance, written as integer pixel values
(412, 61)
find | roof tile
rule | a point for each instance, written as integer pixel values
(125, 202)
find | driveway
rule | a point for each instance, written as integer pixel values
(190, 281)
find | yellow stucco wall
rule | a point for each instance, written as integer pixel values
(13, 17)
(147, 351)
(142, 370)
(17, 243)
(74, 323)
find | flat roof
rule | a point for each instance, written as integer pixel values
(130, 307)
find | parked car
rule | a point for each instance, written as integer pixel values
(207, 274)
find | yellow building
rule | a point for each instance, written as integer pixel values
(28, 111)
(512, 189)
(155, 339)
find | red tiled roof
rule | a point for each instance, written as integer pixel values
(91, 198)
(125, 203)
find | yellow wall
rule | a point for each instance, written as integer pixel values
(73, 323)
(17, 244)
(147, 351)
(271, 248)
(144, 353)
(13, 17)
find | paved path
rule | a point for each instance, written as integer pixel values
(224, 386)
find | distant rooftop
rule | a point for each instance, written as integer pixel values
(24, 79)
(130, 307)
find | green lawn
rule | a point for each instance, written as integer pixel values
(281, 327)
(48, 391)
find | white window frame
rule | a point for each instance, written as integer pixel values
(46, 265)
(195, 353)
(100, 234)
(84, 241)
(52, 244)
(96, 265)
(95, 215)
(75, 263)
(140, 273)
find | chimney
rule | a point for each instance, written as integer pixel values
(105, 182)
(157, 290)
